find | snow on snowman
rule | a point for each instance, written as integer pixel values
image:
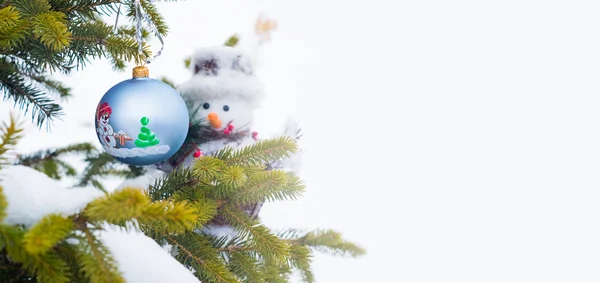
(108, 137)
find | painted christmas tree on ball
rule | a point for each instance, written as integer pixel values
(146, 137)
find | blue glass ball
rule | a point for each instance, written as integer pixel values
(141, 121)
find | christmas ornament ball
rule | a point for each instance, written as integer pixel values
(141, 121)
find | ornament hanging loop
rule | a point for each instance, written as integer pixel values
(139, 27)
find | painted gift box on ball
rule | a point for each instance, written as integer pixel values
(141, 121)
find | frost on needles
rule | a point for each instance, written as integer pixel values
(66, 246)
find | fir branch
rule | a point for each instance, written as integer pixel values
(206, 210)
(261, 152)
(208, 168)
(69, 253)
(272, 185)
(50, 28)
(155, 17)
(39, 77)
(126, 49)
(48, 162)
(168, 81)
(14, 86)
(96, 261)
(165, 187)
(130, 203)
(187, 61)
(275, 273)
(196, 251)
(3, 206)
(12, 28)
(228, 182)
(232, 41)
(245, 266)
(301, 259)
(31, 8)
(57, 87)
(49, 268)
(228, 244)
(258, 236)
(96, 40)
(330, 242)
(102, 164)
(46, 267)
(86, 8)
(46, 233)
(10, 133)
(117, 207)
(9, 16)
(169, 217)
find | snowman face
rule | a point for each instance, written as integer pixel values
(220, 112)
(104, 119)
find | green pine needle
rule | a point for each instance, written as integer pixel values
(245, 266)
(47, 233)
(97, 264)
(10, 133)
(50, 28)
(330, 242)
(232, 41)
(208, 168)
(48, 267)
(3, 206)
(259, 237)
(197, 252)
(176, 182)
(301, 259)
(261, 152)
(48, 161)
(118, 207)
(169, 217)
(272, 185)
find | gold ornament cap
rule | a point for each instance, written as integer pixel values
(141, 72)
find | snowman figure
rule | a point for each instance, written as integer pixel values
(104, 129)
(225, 93)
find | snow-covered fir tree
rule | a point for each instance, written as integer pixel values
(193, 218)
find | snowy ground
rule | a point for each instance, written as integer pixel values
(486, 112)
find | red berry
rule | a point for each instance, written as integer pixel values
(227, 132)
(230, 127)
(198, 153)
(254, 135)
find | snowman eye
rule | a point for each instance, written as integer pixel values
(225, 108)
(206, 105)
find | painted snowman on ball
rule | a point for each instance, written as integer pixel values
(104, 129)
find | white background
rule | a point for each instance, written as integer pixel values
(456, 140)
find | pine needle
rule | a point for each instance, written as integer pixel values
(47, 233)
(261, 152)
(3, 205)
(330, 242)
(259, 237)
(10, 133)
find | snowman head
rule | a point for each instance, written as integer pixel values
(223, 88)
(103, 114)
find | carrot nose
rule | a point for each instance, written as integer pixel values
(213, 118)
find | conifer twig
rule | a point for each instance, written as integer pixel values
(10, 133)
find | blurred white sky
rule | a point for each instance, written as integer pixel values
(456, 140)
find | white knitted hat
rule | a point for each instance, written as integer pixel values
(222, 72)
